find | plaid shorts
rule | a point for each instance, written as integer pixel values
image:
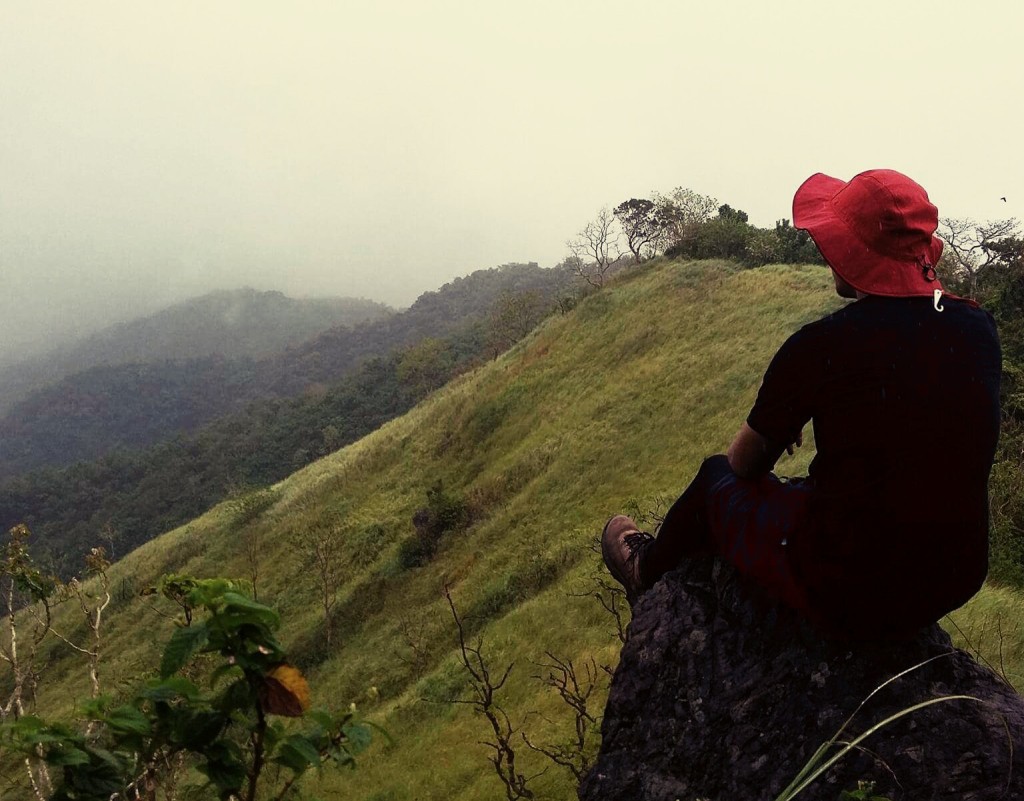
(749, 523)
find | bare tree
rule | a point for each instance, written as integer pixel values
(93, 604)
(325, 548)
(321, 549)
(24, 586)
(416, 639)
(608, 593)
(112, 537)
(575, 689)
(28, 597)
(596, 249)
(248, 506)
(485, 689)
(974, 246)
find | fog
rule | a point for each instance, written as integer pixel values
(151, 151)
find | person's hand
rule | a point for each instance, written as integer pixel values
(791, 448)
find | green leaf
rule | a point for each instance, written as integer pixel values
(129, 719)
(170, 689)
(221, 671)
(95, 708)
(323, 717)
(196, 731)
(342, 757)
(103, 775)
(297, 753)
(235, 602)
(180, 648)
(206, 592)
(29, 723)
(236, 696)
(224, 767)
(357, 737)
(66, 756)
(235, 619)
(273, 735)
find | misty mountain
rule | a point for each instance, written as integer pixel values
(93, 413)
(241, 323)
(437, 313)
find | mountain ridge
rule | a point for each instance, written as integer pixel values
(229, 323)
(87, 415)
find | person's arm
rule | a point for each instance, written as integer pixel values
(751, 455)
(785, 403)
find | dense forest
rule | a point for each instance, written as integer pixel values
(241, 323)
(128, 496)
(90, 414)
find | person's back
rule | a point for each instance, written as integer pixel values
(904, 401)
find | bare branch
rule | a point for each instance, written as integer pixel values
(415, 639)
(504, 757)
(595, 249)
(974, 246)
(612, 598)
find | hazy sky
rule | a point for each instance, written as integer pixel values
(150, 151)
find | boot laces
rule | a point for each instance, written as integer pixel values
(635, 543)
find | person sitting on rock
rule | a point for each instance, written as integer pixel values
(889, 531)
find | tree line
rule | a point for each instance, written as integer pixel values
(681, 224)
(136, 405)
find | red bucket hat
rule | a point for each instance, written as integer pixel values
(876, 231)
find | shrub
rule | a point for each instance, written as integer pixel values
(443, 513)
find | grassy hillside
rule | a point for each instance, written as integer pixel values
(612, 405)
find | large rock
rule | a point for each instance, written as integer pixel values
(721, 695)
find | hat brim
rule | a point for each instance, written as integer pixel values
(858, 265)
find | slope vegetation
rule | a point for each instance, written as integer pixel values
(606, 408)
(134, 405)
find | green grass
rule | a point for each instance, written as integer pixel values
(615, 403)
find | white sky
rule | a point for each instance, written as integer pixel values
(150, 151)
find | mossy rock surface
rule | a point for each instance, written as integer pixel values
(721, 695)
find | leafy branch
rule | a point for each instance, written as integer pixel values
(230, 733)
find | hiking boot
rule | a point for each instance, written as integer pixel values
(623, 546)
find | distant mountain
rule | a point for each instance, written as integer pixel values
(242, 323)
(130, 406)
(434, 314)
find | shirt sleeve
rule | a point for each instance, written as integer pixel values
(785, 401)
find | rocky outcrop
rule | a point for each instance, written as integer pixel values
(721, 695)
